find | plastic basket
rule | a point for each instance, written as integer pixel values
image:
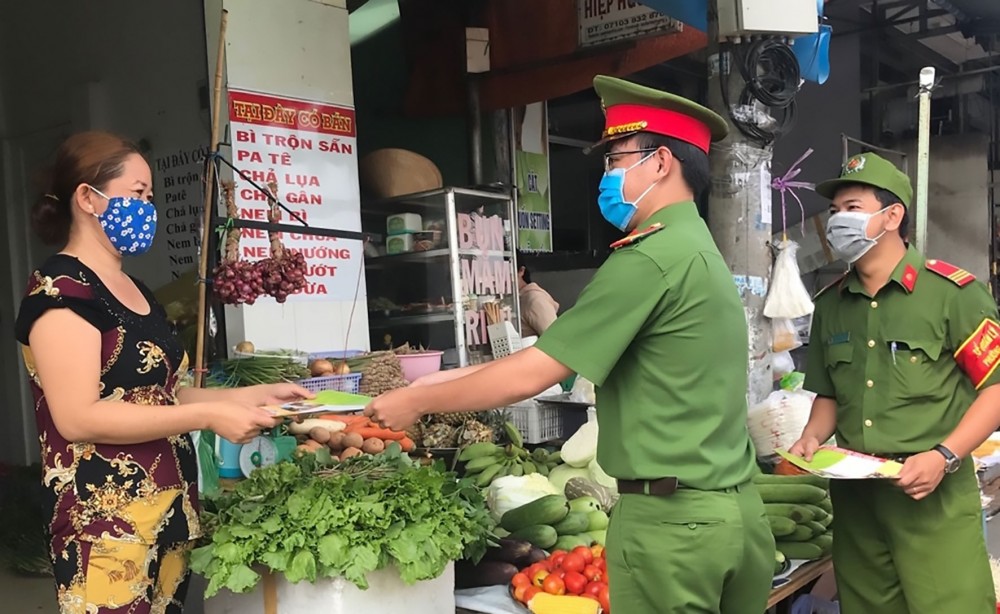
(334, 354)
(342, 383)
(538, 423)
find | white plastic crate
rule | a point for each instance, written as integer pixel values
(504, 339)
(538, 423)
(342, 383)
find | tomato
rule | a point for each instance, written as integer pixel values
(532, 570)
(593, 589)
(592, 573)
(598, 551)
(530, 593)
(605, 605)
(556, 553)
(539, 578)
(575, 582)
(601, 564)
(586, 553)
(520, 593)
(520, 579)
(554, 585)
(604, 597)
(556, 560)
(573, 562)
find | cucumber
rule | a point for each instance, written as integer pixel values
(548, 510)
(810, 479)
(540, 535)
(824, 541)
(573, 524)
(818, 513)
(795, 513)
(802, 533)
(791, 493)
(568, 542)
(800, 550)
(781, 526)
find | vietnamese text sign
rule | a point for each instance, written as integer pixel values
(310, 150)
(608, 21)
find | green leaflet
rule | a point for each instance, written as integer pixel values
(315, 518)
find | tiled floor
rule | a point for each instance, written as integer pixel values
(36, 595)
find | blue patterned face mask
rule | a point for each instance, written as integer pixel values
(611, 196)
(129, 223)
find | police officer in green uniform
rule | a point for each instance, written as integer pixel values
(902, 356)
(662, 333)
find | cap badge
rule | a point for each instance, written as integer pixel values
(854, 165)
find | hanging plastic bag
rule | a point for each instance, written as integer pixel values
(782, 364)
(784, 336)
(788, 297)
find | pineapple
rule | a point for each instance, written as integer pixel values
(382, 374)
(474, 431)
(439, 435)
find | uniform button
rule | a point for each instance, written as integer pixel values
(870, 383)
(913, 359)
(692, 526)
(871, 343)
(868, 422)
(874, 304)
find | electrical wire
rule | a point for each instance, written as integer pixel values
(771, 78)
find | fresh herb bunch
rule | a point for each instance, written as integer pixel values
(311, 519)
(253, 370)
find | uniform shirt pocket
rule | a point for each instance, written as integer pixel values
(839, 357)
(916, 370)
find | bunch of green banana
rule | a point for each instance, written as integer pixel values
(489, 461)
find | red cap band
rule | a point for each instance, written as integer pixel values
(625, 118)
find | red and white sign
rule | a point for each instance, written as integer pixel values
(310, 150)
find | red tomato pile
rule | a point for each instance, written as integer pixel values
(583, 572)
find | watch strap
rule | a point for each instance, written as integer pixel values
(951, 461)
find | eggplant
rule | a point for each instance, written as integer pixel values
(534, 555)
(509, 551)
(485, 573)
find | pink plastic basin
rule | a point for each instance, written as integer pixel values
(418, 365)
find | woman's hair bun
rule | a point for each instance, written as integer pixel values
(50, 219)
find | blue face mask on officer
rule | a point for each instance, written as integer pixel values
(611, 197)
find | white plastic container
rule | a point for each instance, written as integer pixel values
(401, 223)
(386, 593)
(399, 244)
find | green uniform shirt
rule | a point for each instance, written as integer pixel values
(661, 332)
(892, 361)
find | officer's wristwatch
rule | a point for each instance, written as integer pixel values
(952, 462)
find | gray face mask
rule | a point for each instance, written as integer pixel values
(847, 236)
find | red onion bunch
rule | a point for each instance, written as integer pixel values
(283, 275)
(237, 283)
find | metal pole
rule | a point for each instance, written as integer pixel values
(923, 155)
(475, 133)
(738, 215)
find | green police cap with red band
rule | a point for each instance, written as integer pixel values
(630, 108)
(872, 170)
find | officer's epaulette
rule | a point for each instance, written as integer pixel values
(960, 277)
(637, 235)
(833, 283)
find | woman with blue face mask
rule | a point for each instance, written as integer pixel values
(902, 358)
(119, 468)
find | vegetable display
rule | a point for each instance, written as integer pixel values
(347, 436)
(308, 520)
(800, 514)
(488, 461)
(568, 582)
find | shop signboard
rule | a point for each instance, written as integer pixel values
(486, 273)
(178, 195)
(531, 161)
(310, 150)
(609, 21)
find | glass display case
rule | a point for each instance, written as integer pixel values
(445, 269)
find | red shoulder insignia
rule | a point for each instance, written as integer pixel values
(637, 235)
(960, 277)
(833, 283)
(909, 278)
(979, 355)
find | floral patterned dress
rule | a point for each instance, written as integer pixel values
(122, 516)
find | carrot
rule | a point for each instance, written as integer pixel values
(345, 419)
(380, 433)
(407, 444)
(358, 427)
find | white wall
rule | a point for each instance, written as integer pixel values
(130, 67)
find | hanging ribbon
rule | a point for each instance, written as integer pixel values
(785, 184)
